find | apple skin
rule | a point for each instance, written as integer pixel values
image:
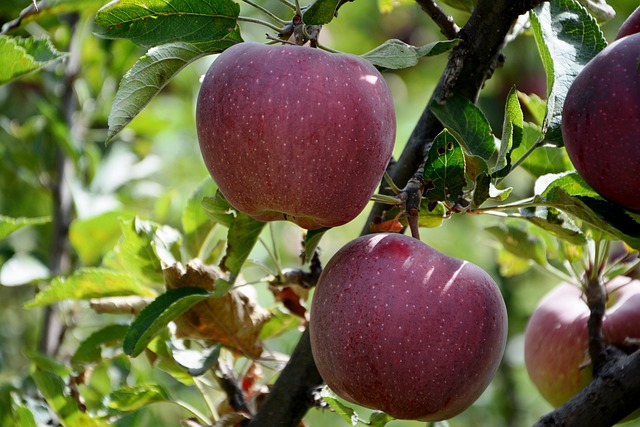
(556, 347)
(601, 122)
(295, 133)
(631, 25)
(399, 327)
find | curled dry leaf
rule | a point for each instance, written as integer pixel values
(233, 319)
(130, 304)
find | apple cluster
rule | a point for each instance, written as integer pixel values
(295, 133)
(601, 119)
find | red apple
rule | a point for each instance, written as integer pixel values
(601, 122)
(400, 327)
(296, 133)
(631, 25)
(556, 339)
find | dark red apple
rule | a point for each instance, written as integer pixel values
(631, 25)
(400, 327)
(296, 133)
(601, 122)
(556, 339)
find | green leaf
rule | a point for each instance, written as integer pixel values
(520, 243)
(536, 106)
(444, 170)
(572, 195)
(8, 224)
(131, 398)
(90, 350)
(219, 209)
(241, 238)
(88, 283)
(544, 159)
(196, 224)
(157, 22)
(340, 408)
(93, 237)
(321, 12)
(143, 247)
(64, 406)
(556, 223)
(379, 419)
(206, 361)
(149, 76)
(311, 240)
(431, 218)
(482, 191)
(512, 133)
(568, 37)
(157, 315)
(24, 416)
(23, 55)
(395, 54)
(465, 120)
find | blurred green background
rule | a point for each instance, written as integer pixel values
(153, 166)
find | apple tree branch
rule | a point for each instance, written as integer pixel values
(469, 65)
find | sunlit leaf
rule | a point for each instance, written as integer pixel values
(88, 283)
(395, 54)
(157, 22)
(24, 55)
(93, 237)
(556, 223)
(567, 37)
(340, 408)
(241, 238)
(219, 209)
(150, 75)
(466, 121)
(8, 224)
(379, 419)
(131, 398)
(572, 195)
(512, 133)
(535, 105)
(520, 243)
(431, 218)
(387, 6)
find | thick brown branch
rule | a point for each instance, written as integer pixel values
(292, 394)
(610, 397)
(469, 65)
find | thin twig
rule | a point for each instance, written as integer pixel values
(32, 9)
(259, 22)
(446, 23)
(266, 12)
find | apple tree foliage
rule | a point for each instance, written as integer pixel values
(136, 294)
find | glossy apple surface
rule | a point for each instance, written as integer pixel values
(631, 25)
(556, 338)
(295, 133)
(400, 327)
(601, 122)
